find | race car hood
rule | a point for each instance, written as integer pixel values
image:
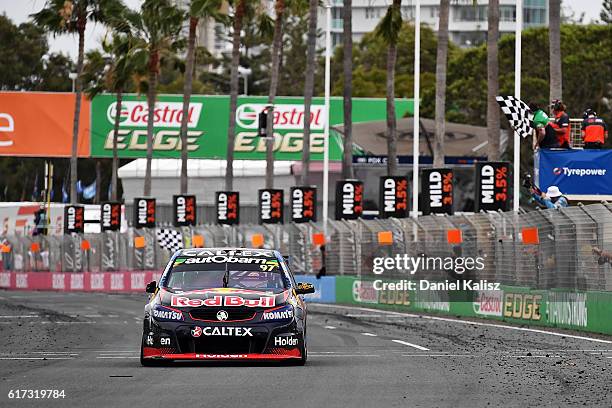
(222, 297)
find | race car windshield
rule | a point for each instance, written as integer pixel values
(255, 276)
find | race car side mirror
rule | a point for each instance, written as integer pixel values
(304, 288)
(151, 287)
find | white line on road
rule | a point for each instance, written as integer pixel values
(437, 355)
(330, 327)
(36, 358)
(370, 334)
(447, 319)
(19, 317)
(347, 355)
(405, 343)
(121, 357)
(363, 315)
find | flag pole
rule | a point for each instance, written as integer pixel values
(517, 94)
(415, 142)
(326, 132)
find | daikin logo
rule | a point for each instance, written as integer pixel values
(566, 171)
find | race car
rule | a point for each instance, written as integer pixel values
(225, 304)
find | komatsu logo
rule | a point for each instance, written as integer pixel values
(566, 171)
(279, 315)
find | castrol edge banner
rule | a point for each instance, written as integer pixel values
(39, 124)
(207, 125)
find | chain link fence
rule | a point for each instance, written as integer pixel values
(572, 248)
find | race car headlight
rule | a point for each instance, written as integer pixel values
(163, 313)
(282, 313)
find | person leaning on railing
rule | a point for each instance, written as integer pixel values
(594, 130)
(553, 198)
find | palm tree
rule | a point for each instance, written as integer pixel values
(279, 8)
(156, 30)
(493, 80)
(198, 9)
(309, 84)
(71, 16)
(554, 39)
(113, 73)
(347, 62)
(388, 29)
(239, 13)
(441, 62)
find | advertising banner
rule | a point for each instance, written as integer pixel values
(393, 200)
(38, 124)
(271, 206)
(325, 288)
(303, 204)
(491, 186)
(437, 191)
(74, 219)
(228, 207)
(110, 216)
(208, 126)
(349, 199)
(578, 172)
(144, 213)
(184, 210)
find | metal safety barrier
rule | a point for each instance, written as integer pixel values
(569, 248)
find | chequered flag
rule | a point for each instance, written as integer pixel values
(170, 239)
(518, 114)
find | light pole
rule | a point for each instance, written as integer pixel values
(517, 94)
(415, 131)
(73, 77)
(245, 72)
(326, 131)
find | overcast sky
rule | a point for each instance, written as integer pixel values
(18, 11)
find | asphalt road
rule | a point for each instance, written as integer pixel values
(88, 346)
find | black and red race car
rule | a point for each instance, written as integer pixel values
(225, 304)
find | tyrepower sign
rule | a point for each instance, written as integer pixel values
(270, 206)
(393, 197)
(437, 191)
(492, 193)
(40, 124)
(208, 123)
(74, 219)
(303, 204)
(228, 207)
(349, 199)
(110, 216)
(144, 213)
(184, 209)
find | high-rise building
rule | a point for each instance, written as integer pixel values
(467, 20)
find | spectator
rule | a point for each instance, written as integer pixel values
(553, 198)
(594, 130)
(561, 124)
(546, 135)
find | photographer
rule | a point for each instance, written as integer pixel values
(553, 198)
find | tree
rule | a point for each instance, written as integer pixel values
(389, 28)
(441, 62)
(156, 32)
(606, 12)
(347, 40)
(111, 72)
(309, 85)
(198, 9)
(554, 38)
(493, 124)
(279, 8)
(71, 16)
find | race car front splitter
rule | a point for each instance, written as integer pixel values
(276, 354)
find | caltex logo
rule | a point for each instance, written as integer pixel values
(196, 331)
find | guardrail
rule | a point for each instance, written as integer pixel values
(570, 248)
